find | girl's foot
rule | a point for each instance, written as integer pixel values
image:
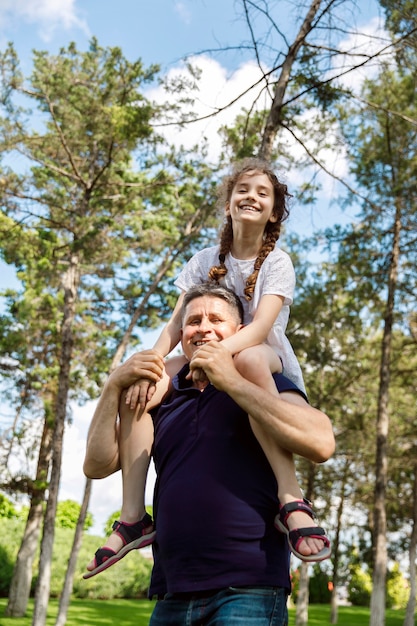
(125, 537)
(308, 543)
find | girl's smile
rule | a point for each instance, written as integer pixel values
(252, 195)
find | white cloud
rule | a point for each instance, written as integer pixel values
(48, 16)
(183, 11)
(216, 90)
(371, 39)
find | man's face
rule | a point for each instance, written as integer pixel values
(207, 318)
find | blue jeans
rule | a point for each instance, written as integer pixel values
(244, 606)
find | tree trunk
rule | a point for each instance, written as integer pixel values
(381, 470)
(70, 285)
(301, 614)
(22, 574)
(72, 562)
(19, 591)
(274, 119)
(335, 548)
(411, 604)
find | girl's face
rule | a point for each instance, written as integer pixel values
(252, 199)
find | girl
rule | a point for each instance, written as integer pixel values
(249, 262)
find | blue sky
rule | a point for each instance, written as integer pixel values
(161, 32)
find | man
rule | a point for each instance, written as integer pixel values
(218, 557)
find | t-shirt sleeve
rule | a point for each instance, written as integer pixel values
(285, 384)
(194, 272)
(279, 277)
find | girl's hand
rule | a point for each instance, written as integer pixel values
(140, 393)
(197, 375)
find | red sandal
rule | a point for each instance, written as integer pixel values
(134, 536)
(296, 535)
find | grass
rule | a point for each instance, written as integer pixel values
(88, 612)
(319, 615)
(137, 613)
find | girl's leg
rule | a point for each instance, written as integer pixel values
(135, 443)
(256, 365)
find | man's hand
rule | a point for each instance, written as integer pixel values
(217, 363)
(148, 364)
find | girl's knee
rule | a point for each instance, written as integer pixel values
(257, 361)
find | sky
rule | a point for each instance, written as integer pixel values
(159, 32)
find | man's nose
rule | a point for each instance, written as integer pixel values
(204, 325)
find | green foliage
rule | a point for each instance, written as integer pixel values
(398, 588)
(318, 585)
(7, 508)
(67, 515)
(6, 569)
(129, 578)
(359, 586)
(11, 530)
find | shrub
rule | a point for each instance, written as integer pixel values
(359, 586)
(319, 592)
(127, 579)
(398, 589)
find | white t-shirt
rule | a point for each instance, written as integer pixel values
(276, 277)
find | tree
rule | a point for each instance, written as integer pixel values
(88, 218)
(384, 164)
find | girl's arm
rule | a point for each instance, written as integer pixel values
(257, 331)
(170, 335)
(142, 391)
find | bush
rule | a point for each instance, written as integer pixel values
(127, 579)
(359, 586)
(398, 589)
(6, 571)
(11, 530)
(318, 586)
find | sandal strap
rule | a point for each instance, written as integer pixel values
(103, 554)
(297, 505)
(131, 532)
(315, 532)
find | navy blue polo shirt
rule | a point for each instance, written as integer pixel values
(215, 496)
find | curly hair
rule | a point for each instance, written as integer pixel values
(272, 229)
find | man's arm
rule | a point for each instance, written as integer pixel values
(102, 453)
(289, 419)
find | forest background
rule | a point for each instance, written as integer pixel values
(121, 192)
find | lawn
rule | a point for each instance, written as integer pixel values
(137, 612)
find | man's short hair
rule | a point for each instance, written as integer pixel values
(213, 291)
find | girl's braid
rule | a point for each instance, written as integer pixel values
(271, 237)
(226, 237)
